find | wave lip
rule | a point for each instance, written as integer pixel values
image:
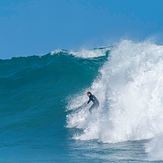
(84, 53)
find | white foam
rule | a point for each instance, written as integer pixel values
(155, 148)
(130, 91)
(86, 53)
(83, 53)
(56, 51)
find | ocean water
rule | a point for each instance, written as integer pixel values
(39, 95)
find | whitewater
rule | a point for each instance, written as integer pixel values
(39, 95)
(130, 90)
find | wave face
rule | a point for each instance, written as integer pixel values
(130, 90)
(33, 96)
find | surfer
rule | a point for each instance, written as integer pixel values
(93, 99)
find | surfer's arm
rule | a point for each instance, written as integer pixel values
(89, 101)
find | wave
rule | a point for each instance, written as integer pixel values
(34, 90)
(130, 90)
(127, 79)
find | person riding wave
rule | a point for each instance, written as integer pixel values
(93, 99)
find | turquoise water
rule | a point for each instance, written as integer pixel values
(34, 94)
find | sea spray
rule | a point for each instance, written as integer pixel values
(130, 90)
(154, 148)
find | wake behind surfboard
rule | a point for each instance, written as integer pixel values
(77, 109)
(79, 115)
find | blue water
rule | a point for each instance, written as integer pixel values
(34, 93)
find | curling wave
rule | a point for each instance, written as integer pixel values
(130, 90)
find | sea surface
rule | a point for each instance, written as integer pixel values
(39, 96)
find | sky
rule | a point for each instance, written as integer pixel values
(36, 27)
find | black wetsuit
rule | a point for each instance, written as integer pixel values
(94, 100)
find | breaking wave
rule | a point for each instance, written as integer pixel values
(129, 87)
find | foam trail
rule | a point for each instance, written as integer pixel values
(130, 91)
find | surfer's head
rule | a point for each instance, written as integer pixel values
(89, 93)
